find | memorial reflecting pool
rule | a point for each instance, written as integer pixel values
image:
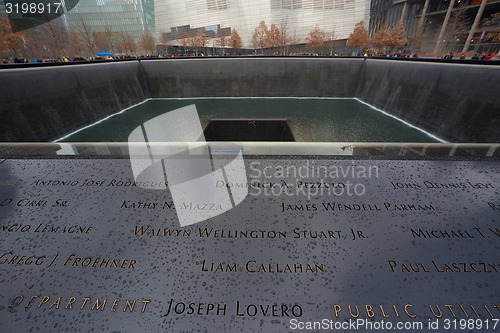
(309, 119)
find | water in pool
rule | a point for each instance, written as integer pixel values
(310, 119)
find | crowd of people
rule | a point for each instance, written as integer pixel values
(368, 54)
(17, 60)
(462, 56)
(386, 54)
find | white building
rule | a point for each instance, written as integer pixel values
(336, 17)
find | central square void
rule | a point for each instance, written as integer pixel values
(248, 130)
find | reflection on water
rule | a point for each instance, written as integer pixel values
(310, 119)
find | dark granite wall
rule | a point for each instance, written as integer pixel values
(454, 101)
(263, 77)
(460, 103)
(43, 104)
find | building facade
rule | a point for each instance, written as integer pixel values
(298, 17)
(385, 13)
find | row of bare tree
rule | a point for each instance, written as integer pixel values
(456, 31)
(197, 42)
(52, 40)
(392, 38)
(280, 38)
(264, 37)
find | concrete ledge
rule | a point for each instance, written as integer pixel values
(454, 101)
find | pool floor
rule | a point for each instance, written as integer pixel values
(310, 119)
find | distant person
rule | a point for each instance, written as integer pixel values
(475, 56)
(462, 57)
(483, 57)
(488, 57)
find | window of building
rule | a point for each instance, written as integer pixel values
(286, 4)
(218, 4)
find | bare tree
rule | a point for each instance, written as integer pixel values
(75, 44)
(222, 40)
(294, 38)
(148, 42)
(397, 36)
(165, 41)
(110, 37)
(201, 41)
(183, 38)
(254, 45)
(126, 44)
(457, 29)
(120, 45)
(130, 43)
(192, 43)
(11, 44)
(316, 39)
(273, 37)
(284, 38)
(101, 42)
(163, 38)
(359, 37)
(34, 43)
(332, 36)
(381, 38)
(491, 29)
(259, 38)
(416, 39)
(87, 34)
(235, 40)
(54, 38)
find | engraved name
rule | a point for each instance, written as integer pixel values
(127, 204)
(338, 206)
(396, 311)
(454, 233)
(74, 261)
(253, 266)
(446, 267)
(87, 303)
(31, 202)
(98, 183)
(296, 233)
(438, 185)
(177, 307)
(45, 228)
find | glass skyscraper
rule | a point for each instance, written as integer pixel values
(126, 16)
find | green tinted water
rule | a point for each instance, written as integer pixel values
(310, 119)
